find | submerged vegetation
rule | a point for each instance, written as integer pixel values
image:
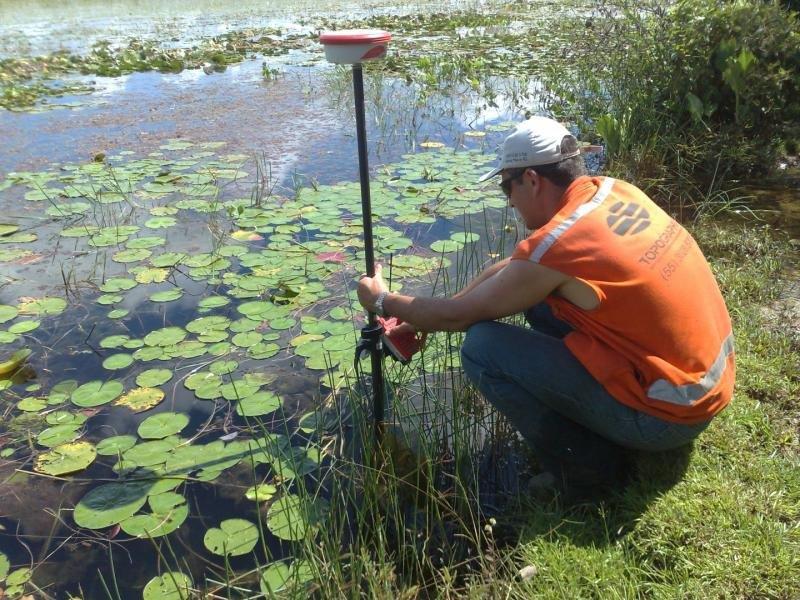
(182, 415)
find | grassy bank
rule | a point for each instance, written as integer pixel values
(715, 520)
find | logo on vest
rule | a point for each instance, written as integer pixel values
(627, 219)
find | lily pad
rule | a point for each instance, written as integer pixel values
(153, 377)
(118, 361)
(156, 524)
(96, 393)
(21, 327)
(5, 566)
(261, 492)
(116, 445)
(260, 403)
(66, 458)
(58, 434)
(111, 503)
(117, 284)
(161, 425)
(141, 399)
(169, 586)
(293, 518)
(7, 312)
(131, 255)
(166, 336)
(167, 296)
(234, 537)
(42, 306)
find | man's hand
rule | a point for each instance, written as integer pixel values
(369, 288)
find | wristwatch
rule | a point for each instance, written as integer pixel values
(379, 310)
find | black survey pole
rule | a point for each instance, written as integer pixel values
(376, 350)
(353, 47)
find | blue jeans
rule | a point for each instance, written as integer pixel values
(576, 429)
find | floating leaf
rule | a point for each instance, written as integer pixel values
(118, 313)
(293, 518)
(167, 296)
(153, 377)
(117, 284)
(5, 566)
(263, 350)
(7, 312)
(161, 425)
(21, 327)
(156, 524)
(260, 403)
(7, 229)
(169, 586)
(446, 246)
(116, 445)
(261, 492)
(62, 417)
(10, 365)
(66, 458)
(166, 336)
(96, 393)
(131, 255)
(141, 399)
(109, 504)
(234, 537)
(41, 306)
(58, 434)
(32, 404)
(118, 361)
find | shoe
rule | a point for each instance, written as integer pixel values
(400, 344)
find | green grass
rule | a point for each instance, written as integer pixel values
(719, 519)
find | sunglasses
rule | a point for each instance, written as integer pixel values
(505, 184)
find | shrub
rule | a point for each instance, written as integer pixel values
(694, 92)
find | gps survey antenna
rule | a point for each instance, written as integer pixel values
(353, 47)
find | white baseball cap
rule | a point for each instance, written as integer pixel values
(536, 141)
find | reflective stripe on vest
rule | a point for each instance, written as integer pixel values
(689, 393)
(583, 210)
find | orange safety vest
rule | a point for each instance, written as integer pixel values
(660, 340)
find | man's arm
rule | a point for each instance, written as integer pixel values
(512, 288)
(483, 276)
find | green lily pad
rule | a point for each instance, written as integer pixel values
(118, 361)
(167, 296)
(260, 403)
(117, 284)
(246, 339)
(114, 341)
(166, 336)
(63, 417)
(118, 313)
(111, 503)
(148, 454)
(161, 425)
(96, 393)
(7, 229)
(58, 434)
(156, 524)
(223, 367)
(238, 389)
(261, 492)
(21, 327)
(62, 391)
(234, 537)
(131, 255)
(116, 445)
(18, 578)
(293, 518)
(169, 586)
(263, 350)
(278, 576)
(213, 302)
(7, 313)
(443, 246)
(32, 404)
(42, 306)
(160, 222)
(146, 242)
(66, 458)
(153, 377)
(5, 566)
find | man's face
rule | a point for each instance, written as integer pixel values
(520, 187)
